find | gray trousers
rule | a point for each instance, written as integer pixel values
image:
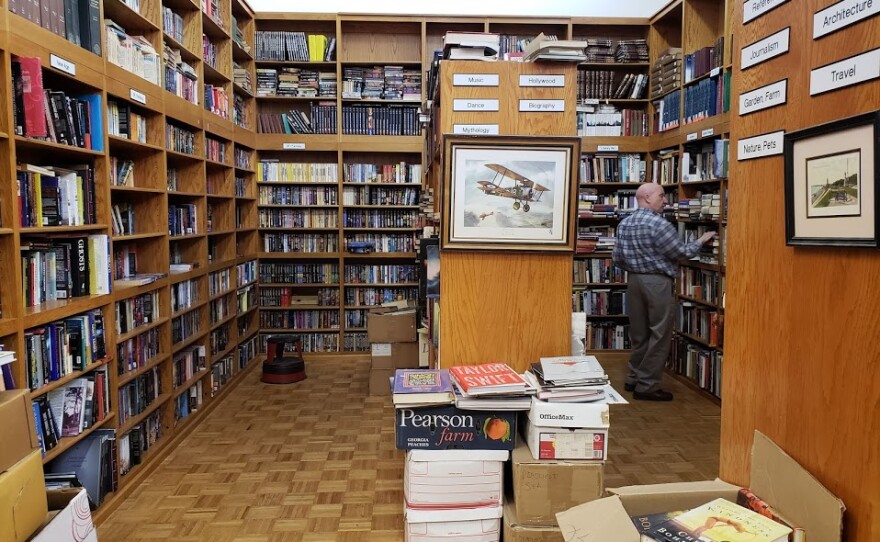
(650, 302)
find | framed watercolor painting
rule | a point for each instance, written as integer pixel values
(509, 193)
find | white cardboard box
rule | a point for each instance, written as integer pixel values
(571, 415)
(69, 518)
(454, 479)
(466, 525)
(567, 443)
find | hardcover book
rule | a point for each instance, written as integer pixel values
(422, 387)
(721, 521)
(487, 378)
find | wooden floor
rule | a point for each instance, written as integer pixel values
(315, 461)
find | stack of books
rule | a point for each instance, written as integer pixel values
(421, 388)
(666, 72)
(471, 46)
(568, 379)
(549, 48)
(490, 386)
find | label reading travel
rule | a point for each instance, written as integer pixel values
(138, 97)
(475, 79)
(760, 146)
(843, 14)
(765, 49)
(850, 71)
(462, 104)
(293, 146)
(60, 64)
(542, 80)
(763, 97)
(542, 106)
(475, 129)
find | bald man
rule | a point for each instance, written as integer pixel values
(649, 248)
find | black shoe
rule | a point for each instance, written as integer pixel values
(658, 395)
(629, 387)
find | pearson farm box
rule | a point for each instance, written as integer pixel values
(775, 477)
(450, 428)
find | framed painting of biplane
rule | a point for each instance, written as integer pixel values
(509, 193)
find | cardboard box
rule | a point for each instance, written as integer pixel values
(22, 498)
(570, 415)
(424, 348)
(542, 488)
(567, 443)
(390, 325)
(444, 479)
(466, 525)
(17, 427)
(515, 532)
(775, 477)
(449, 428)
(379, 381)
(69, 518)
(394, 355)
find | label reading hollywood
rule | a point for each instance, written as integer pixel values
(478, 106)
(542, 80)
(763, 97)
(475, 129)
(293, 146)
(843, 14)
(850, 71)
(753, 9)
(542, 106)
(475, 79)
(59, 63)
(760, 146)
(765, 49)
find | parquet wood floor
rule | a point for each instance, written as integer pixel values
(315, 462)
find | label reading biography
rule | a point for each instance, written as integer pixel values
(760, 146)
(843, 14)
(765, 49)
(462, 104)
(59, 63)
(849, 71)
(475, 79)
(753, 9)
(542, 106)
(763, 97)
(542, 80)
(475, 129)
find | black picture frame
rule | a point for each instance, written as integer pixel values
(837, 211)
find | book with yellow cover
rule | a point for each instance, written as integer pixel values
(721, 521)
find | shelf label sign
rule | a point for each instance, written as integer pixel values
(591, 101)
(846, 72)
(692, 137)
(463, 104)
(293, 146)
(842, 14)
(542, 106)
(475, 129)
(760, 146)
(763, 97)
(60, 64)
(475, 79)
(137, 96)
(707, 132)
(752, 9)
(608, 148)
(538, 80)
(765, 49)
(715, 72)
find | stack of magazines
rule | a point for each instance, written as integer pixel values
(568, 379)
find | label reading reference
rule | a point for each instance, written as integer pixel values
(293, 146)
(752, 9)
(765, 49)
(137, 96)
(60, 64)
(462, 104)
(542, 106)
(760, 146)
(763, 97)
(542, 80)
(475, 79)
(846, 72)
(843, 14)
(475, 129)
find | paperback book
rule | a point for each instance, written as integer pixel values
(721, 521)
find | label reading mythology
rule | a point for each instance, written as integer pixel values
(752, 9)
(475, 79)
(760, 146)
(843, 14)
(847, 72)
(765, 49)
(474, 105)
(763, 97)
(475, 129)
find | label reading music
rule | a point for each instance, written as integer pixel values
(765, 49)
(475, 79)
(843, 14)
(461, 104)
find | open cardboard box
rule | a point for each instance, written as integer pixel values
(775, 477)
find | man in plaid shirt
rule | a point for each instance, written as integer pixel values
(649, 248)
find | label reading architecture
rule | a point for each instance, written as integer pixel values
(843, 14)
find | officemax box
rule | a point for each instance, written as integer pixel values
(22, 498)
(775, 477)
(542, 488)
(69, 518)
(464, 525)
(450, 428)
(17, 427)
(454, 479)
(516, 532)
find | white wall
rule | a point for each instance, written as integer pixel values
(563, 8)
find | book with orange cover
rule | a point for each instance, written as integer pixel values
(487, 379)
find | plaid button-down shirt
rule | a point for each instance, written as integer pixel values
(648, 243)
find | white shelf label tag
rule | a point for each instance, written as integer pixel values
(64, 65)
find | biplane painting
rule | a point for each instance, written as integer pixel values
(510, 194)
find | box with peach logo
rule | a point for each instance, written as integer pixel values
(450, 428)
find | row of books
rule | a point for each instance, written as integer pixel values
(298, 218)
(381, 82)
(291, 297)
(298, 195)
(294, 46)
(299, 273)
(65, 267)
(55, 196)
(63, 347)
(379, 218)
(609, 50)
(134, 54)
(605, 84)
(379, 195)
(69, 410)
(78, 21)
(607, 121)
(299, 82)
